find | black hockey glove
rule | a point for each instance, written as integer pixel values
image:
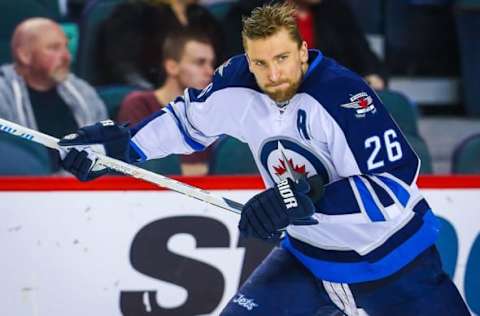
(267, 213)
(104, 137)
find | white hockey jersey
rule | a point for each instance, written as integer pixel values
(372, 220)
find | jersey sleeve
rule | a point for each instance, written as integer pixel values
(377, 166)
(195, 120)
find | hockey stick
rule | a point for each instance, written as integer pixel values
(125, 168)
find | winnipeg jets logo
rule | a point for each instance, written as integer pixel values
(285, 158)
(245, 302)
(287, 168)
(281, 167)
(362, 103)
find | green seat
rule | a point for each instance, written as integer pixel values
(466, 157)
(231, 156)
(169, 165)
(113, 96)
(422, 151)
(220, 9)
(23, 157)
(71, 32)
(401, 109)
(92, 17)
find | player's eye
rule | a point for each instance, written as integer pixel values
(259, 63)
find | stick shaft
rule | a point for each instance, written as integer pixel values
(125, 168)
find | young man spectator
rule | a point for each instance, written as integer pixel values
(188, 62)
(38, 90)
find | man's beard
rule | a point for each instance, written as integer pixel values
(60, 75)
(282, 96)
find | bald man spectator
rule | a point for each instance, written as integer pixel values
(38, 90)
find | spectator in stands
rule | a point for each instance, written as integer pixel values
(131, 40)
(420, 38)
(38, 90)
(328, 25)
(188, 61)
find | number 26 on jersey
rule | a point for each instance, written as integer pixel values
(383, 148)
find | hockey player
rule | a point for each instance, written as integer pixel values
(358, 233)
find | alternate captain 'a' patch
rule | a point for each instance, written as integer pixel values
(362, 103)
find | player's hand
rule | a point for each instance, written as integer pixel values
(79, 150)
(267, 213)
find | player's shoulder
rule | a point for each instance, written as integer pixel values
(336, 88)
(233, 73)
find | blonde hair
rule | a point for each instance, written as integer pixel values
(267, 20)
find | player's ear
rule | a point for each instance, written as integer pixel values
(304, 52)
(249, 63)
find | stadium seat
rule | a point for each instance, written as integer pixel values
(466, 157)
(447, 244)
(169, 165)
(231, 156)
(422, 151)
(71, 32)
(94, 14)
(401, 109)
(220, 9)
(472, 283)
(113, 95)
(24, 157)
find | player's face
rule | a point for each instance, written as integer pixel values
(195, 68)
(278, 64)
(50, 58)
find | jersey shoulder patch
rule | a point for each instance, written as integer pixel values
(232, 73)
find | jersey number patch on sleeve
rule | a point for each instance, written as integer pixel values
(389, 145)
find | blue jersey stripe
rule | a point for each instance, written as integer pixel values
(371, 207)
(402, 235)
(402, 195)
(188, 139)
(313, 64)
(380, 192)
(362, 271)
(137, 149)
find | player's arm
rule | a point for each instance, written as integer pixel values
(190, 123)
(378, 166)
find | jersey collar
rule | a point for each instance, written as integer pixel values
(314, 58)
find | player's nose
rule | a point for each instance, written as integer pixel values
(273, 74)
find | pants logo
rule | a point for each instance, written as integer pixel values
(248, 303)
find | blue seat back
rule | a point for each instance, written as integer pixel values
(23, 157)
(231, 156)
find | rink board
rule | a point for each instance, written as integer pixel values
(119, 246)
